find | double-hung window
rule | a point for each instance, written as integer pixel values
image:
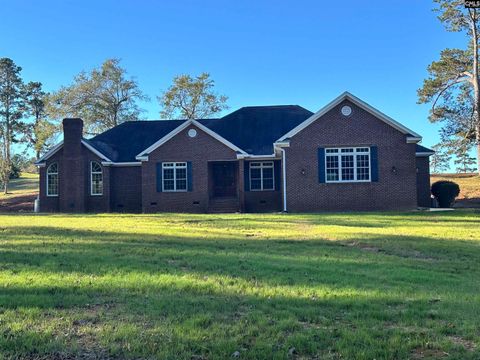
(96, 179)
(262, 176)
(174, 176)
(52, 180)
(347, 164)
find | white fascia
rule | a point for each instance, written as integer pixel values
(413, 136)
(143, 156)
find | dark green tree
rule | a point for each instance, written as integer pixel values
(38, 132)
(11, 111)
(453, 85)
(103, 98)
(463, 161)
(191, 98)
(440, 161)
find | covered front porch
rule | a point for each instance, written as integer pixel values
(233, 186)
(224, 189)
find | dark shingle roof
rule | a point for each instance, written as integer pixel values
(253, 129)
(423, 149)
(125, 141)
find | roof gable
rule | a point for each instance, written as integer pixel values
(360, 103)
(57, 147)
(123, 142)
(181, 127)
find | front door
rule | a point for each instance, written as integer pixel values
(224, 179)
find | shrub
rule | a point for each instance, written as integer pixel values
(14, 172)
(445, 192)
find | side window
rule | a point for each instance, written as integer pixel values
(96, 179)
(262, 176)
(347, 165)
(52, 180)
(174, 176)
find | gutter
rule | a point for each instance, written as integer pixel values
(284, 175)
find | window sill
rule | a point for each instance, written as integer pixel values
(349, 182)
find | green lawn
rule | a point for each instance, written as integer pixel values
(329, 286)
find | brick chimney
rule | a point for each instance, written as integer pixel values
(72, 173)
(72, 135)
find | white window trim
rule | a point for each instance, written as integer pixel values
(176, 165)
(91, 177)
(354, 153)
(47, 182)
(271, 165)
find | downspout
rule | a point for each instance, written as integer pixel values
(284, 175)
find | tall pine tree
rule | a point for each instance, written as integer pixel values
(11, 105)
(453, 85)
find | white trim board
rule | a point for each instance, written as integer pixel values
(122, 164)
(95, 151)
(49, 153)
(360, 103)
(144, 154)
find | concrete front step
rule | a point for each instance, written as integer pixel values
(224, 205)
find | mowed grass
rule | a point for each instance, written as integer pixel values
(177, 286)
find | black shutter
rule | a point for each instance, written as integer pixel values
(374, 163)
(189, 176)
(321, 165)
(159, 177)
(246, 175)
(277, 174)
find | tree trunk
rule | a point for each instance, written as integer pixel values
(8, 159)
(478, 148)
(476, 84)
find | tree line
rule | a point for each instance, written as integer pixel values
(103, 97)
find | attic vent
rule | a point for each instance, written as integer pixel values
(346, 110)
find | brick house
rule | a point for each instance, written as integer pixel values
(347, 156)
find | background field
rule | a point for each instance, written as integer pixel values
(22, 194)
(469, 188)
(329, 286)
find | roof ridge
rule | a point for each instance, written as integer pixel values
(267, 106)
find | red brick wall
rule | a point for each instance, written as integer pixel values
(47, 203)
(423, 181)
(392, 191)
(198, 150)
(68, 178)
(265, 201)
(95, 203)
(126, 189)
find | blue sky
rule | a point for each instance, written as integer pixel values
(258, 52)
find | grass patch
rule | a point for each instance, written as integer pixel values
(176, 286)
